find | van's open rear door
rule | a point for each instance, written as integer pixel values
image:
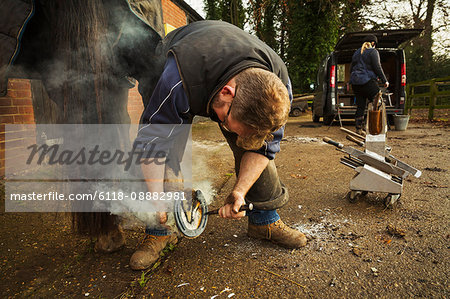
(386, 38)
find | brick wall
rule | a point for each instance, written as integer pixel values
(15, 108)
(172, 14)
(135, 106)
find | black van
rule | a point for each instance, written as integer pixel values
(333, 93)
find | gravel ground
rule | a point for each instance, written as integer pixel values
(352, 251)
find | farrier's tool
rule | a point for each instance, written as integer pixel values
(191, 215)
(377, 170)
(355, 140)
(354, 134)
(248, 207)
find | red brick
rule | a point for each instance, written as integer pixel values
(24, 93)
(134, 92)
(134, 99)
(17, 143)
(18, 129)
(26, 110)
(28, 133)
(172, 14)
(6, 119)
(5, 102)
(134, 106)
(22, 102)
(19, 84)
(135, 118)
(8, 110)
(24, 119)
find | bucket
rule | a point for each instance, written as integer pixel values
(401, 122)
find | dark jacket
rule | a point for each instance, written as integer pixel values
(210, 53)
(366, 67)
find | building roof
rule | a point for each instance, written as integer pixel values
(193, 15)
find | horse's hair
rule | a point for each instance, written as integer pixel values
(82, 48)
(84, 57)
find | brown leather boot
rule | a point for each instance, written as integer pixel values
(279, 233)
(110, 242)
(149, 250)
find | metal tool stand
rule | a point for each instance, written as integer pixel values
(376, 169)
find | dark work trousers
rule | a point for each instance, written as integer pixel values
(268, 192)
(363, 93)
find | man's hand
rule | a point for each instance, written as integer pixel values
(232, 205)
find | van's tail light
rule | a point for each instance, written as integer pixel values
(403, 72)
(333, 76)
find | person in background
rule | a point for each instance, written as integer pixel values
(364, 74)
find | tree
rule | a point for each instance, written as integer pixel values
(213, 9)
(231, 11)
(312, 32)
(430, 15)
(304, 32)
(351, 15)
(266, 21)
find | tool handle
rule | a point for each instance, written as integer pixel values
(353, 139)
(332, 142)
(353, 133)
(248, 207)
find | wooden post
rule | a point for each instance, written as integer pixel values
(432, 100)
(409, 99)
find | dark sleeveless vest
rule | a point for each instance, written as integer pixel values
(210, 53)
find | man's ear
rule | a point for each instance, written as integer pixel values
(228, 90)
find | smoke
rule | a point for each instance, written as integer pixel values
(201, 173)
(151, 219)
(133, 212)
(207, 189)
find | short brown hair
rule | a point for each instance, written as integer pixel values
(261, 103)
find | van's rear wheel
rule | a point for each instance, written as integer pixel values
(327, 120)
(316, 118)
(296, 112)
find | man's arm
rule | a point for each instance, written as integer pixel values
(252, 165)
(160, 126)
